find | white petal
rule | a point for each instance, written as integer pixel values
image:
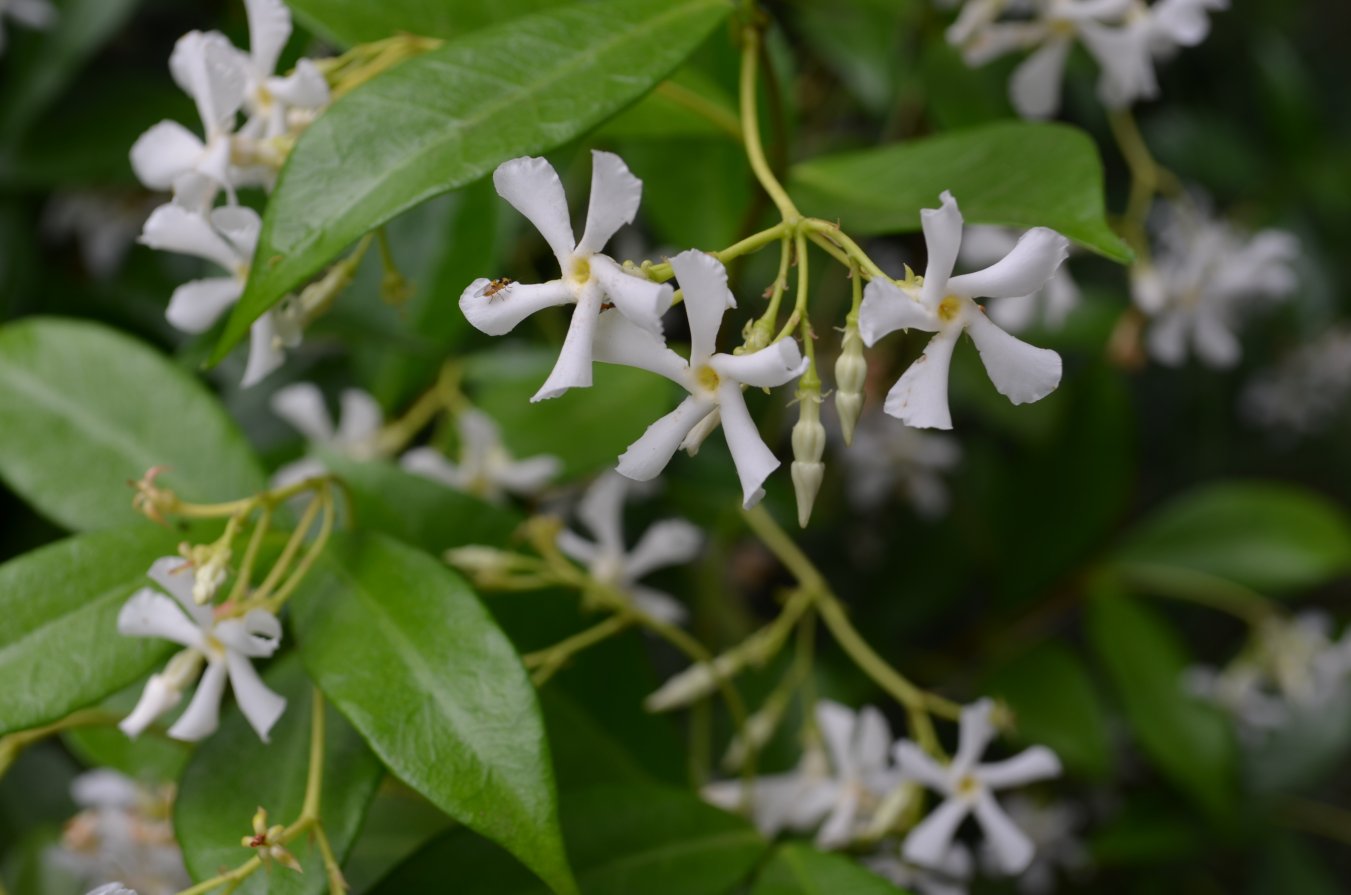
(886, 308)
(158, 697)
(1024, 270)
(198, 304)
(1020, 372)
(615, 194)
(305, 88)
(574, 546)
(202, 716)
(298, 471)
(239, 225)
(637, 298)
(532, 187)
(269, 29)
(670, 542)
(1034, 87)
(1216, 344)
(260, 705)
(703, 279)
(301, 404)
(257, 635)
(661, 606)
(943, 238)
(528, 477)
(164, 153)
(767, 368)
(39, 14)
(175, 575)
(430, 463)
(1181, 22)
(105, 788)
(975, 730)
(1127, 66)
(836, 723)
(838, 829)
(1011, 845)
(1167, 338)
(872, 741)
(601, 510)
(210, 70)
(480, 438)
(920, 397)
(265, 353)
(1028, 766)
(171, 228)
(149, 613)
(499, 313)
(929, 842)
(195, 192)
(1148, 289)
(620, 341)
(360, 419)
(754, 460)
(647, 457)
(1001, 38)
(573, 367)
(916, 764)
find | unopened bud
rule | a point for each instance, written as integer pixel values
(759, 729)
(851, 372)
(693, 684)
(809, 444)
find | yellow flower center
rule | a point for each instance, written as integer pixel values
(581, 270)
(707, 378)
(949, 308)
(968, 785)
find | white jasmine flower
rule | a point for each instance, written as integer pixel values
(113, 889)
(945, 305)
(123, 830)
(669, 542)
(1307, 390)
(589, 278)
(1204, 278)
(226, 645)
(1051, 826)
(714, 381)
(1048, 306)
(486, 468)
(302, 405)
(887, 456)
(968, 788)
(268, 98)
(950, 876)
(36, 14)
(840, 791)
(209, 69)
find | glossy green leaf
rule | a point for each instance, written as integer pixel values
(233, 773)
(607, 417)
(799, 869)
(448, 117)
(1189, 741)
(361, 21)
(1056, 703)
(1264, 536)
(404, 648)
(1017, 174)
(690, 103)
(84, 409)
(622, 840)
(59, 604)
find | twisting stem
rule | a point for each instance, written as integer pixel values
(750, 128)
(11, 745)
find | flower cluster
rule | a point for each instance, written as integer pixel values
(123, 830)
(1125, 38)
(228, 84)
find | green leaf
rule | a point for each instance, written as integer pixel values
(1056, 703)
(799, 869)
(622, 839)
(84, 409)
(1017, 174)
(448, 117)
(59, 646)
(1188, 741)
(403, 647)
(608, 417)
(234, 773)
(361, 21)
(1267, 537)
(691, 103)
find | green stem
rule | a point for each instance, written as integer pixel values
(547, 662)
(750, 127)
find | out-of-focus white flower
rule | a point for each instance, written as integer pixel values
(1305, 391)
(968, 788)
(1051, 826)
(486, 468)
(104, 225)
(887, 456)
(1205, 277)
(669, 542)
(945, 305)
(589, 278)
(227, 646)
(714, 381)
(113, 889)
(302, 405)
(950, 876)
(37, 14)
(1048, 306)
(123, 830)
(839, 790)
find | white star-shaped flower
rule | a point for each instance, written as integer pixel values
(968, 788)
(36, 14)
(944, 305)
(268, 98)
(714, 381)
(589, 280)
(669, 542)
(1048, 306)
(838, 791)
(302, 405)
(227, 646)
(486, 468)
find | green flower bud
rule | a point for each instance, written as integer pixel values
(809, 444)
(851, 371)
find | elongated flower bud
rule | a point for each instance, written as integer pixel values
(809, 444)
(851, 371)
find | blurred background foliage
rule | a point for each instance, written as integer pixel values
(1029, 588)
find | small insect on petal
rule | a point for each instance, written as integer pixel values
(496, 288)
